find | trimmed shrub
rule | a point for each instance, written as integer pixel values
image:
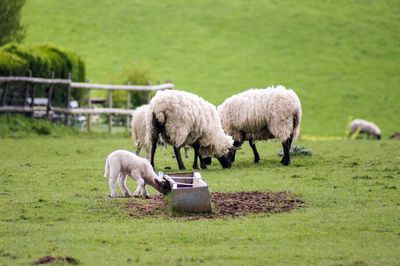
(43, 61)
(12, 63)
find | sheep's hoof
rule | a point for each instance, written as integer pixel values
(113, 196)
(285, 163)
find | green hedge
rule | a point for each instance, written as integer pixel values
(42, 60)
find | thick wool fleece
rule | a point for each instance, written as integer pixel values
(187, 119)
(261, 114)
(138, 125)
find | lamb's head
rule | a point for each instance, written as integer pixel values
(164, 187)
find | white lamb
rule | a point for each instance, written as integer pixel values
(138, 125)
(366, 127)
(262, 114)
(121, 163)
(183, 118)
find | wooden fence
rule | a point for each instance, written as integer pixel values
(29, 107)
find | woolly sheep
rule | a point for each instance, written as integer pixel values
(183, 118)
(262, 114)
(138, 126)
(121, 163)
(365, 127)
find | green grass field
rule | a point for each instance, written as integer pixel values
(53, 201)
(341, 57)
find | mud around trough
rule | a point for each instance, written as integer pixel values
(225, 204)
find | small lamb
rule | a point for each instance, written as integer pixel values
(121, 163)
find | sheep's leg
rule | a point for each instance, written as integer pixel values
(197, 156)
(236, 144)
(253, 147)
(112, 181)
(286, 149)
(139, 148)
(153, 151)
(122, 185)
(186, 152)
(178, 157)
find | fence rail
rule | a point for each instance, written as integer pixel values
(29, 106)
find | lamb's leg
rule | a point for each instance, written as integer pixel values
(144, 192)
(139, 188)
(253, 147)
(178, 157)
(122, 185)
(112, 181)
(286, 149)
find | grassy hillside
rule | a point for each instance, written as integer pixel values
(55, 203)
(342, 57)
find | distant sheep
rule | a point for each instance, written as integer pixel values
(365, 127)
(138, 125)
(262, 114)
(121, 163)
(183, 118)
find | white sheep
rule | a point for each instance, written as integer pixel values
(121, 163)
(262, 114)
(183, 118)
(138, 126)
(365, 127)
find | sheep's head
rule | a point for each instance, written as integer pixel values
(164, 187)
(227, 160)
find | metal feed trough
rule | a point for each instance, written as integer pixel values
(189, 192)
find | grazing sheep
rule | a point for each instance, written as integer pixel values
(138, 125)
(395, 135)
(365, 127)
(121, 163)
(182, 119)
(262, 114)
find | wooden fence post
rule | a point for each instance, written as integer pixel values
(68, 115)
(4, 96)
(89, 116)
(28, 88)
(110, 116)
(128, 106)
(49, 96)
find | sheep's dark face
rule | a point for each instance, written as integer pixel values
(164, 187)
(227, 160)
(378, 137)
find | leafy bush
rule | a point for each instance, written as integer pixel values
(297, 150)
(136, 75)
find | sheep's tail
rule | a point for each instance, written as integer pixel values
(296, 124)
(107, 168)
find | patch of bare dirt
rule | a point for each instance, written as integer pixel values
(225, 204)
(58, 259)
